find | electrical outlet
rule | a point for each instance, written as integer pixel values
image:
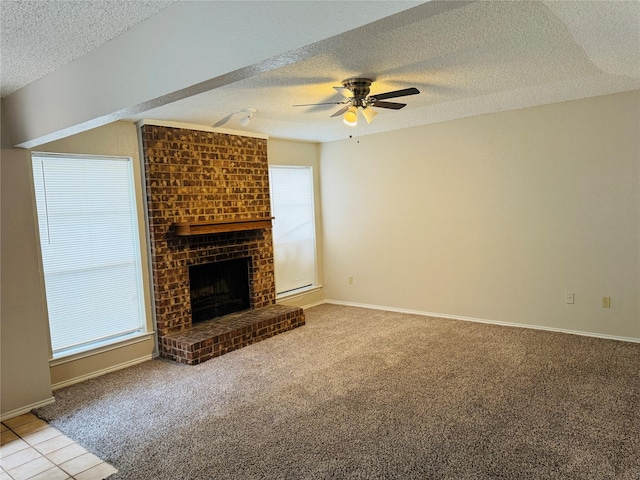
(570, 298)
(350, 280)
(606, 302)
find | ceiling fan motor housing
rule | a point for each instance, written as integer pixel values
(360, 89)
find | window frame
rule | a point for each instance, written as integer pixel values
(314, 285)
(134, 335)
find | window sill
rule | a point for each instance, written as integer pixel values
(99, 348)
(299, 292)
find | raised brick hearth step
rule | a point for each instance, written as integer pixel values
(224, 334)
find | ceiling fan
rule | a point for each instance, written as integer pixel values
(356, 92)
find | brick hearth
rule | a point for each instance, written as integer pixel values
(216, 337)
(196, 176)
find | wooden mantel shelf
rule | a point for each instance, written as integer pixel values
(221, 226)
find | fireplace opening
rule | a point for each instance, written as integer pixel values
(219, 288)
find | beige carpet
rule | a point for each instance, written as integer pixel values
(362, 393)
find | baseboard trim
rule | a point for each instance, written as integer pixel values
(97, 373)
(315, 304)
(26, 409)
(482, 320)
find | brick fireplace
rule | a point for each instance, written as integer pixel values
(208, 202)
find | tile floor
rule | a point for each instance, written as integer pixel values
(31, 449)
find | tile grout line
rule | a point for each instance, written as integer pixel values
(27, 435)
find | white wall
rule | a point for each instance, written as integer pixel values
(493, 217)
(24, 349)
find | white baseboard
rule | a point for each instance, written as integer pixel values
(482, 320)
(97, 373)
(26, 409)
(315, 304)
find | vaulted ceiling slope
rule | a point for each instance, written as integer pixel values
(204, 62)
(40, 37)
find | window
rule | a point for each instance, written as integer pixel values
(293, 228)
(90, 251)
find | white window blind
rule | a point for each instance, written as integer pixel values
(90, 250)
(293, 227)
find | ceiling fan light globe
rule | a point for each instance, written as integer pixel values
(369, 113)
(244, 121)
(351, 117)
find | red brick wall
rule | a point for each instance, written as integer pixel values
(197, 176)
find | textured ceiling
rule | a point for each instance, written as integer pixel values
(38, 37)
(476, 58)
(466, 58)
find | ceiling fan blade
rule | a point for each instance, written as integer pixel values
(397, 93)
(344, 91)
(391, 105)
(313, 104)
(340, 112)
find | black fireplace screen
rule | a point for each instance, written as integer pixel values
(219, 288)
